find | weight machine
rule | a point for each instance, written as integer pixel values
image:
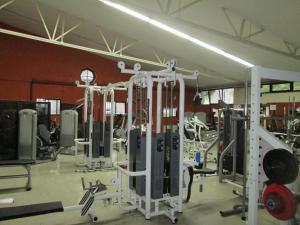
(98, 135)
(198, 136)
(155, 160)
(232, 146)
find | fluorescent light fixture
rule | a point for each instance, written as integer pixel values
(175, 32)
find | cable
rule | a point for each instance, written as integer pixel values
(189, 193)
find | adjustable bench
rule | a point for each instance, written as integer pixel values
(14, 163)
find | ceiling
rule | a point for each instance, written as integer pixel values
(262, 32)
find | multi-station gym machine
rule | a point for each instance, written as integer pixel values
(98, 134)
(155, 159)
(150, 180)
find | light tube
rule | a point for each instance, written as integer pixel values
(175, 32)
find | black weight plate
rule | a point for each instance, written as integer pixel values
(280, 166)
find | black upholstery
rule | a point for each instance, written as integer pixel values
(30, 210)
(16, 162)
(204, 171)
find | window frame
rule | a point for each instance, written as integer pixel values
(221, 91)
(282, 91)
(58, 109)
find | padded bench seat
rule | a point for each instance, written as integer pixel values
(24, 163)
(30, 210)
(204, 171)
(16, 162)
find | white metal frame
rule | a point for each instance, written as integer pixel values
(106, 91)
(256, 131)
(148, 78)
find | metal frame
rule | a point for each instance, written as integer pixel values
(27, 166)
(105, 91)
(256, 131)
(231, 147)
(148, 79)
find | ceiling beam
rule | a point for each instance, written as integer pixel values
(6, 4)
(254, 33)
(56, 26)
(160, 6)
(67, 32)
(235, 38)
(176, 20)
(42, 19)
(184, 7)
(230, 21)
(168, 6)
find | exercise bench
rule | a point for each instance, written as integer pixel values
(15, 163)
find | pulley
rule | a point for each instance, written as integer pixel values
(280, 166)
(280, 202)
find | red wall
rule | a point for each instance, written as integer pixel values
(23, 61)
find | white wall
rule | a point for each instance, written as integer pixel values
(239, 96)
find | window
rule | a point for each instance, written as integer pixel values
(281, 87)
(167, 112)
(215, 96)
(296, 86)
(226, 95)
(266, 88)
(120, 108)
(108, 108)
(205, 98)
(54, 105)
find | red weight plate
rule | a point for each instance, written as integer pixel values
(280, 202)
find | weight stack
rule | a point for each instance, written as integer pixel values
(96, 139)
(141, 166)
(171, 181)
(27, 134)
(134, 144)
(157, 166)
(174, 165)
(106, 141)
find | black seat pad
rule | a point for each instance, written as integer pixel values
(30, 210)
(204, 171)
(16, 162)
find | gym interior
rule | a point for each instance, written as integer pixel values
(149, 112)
